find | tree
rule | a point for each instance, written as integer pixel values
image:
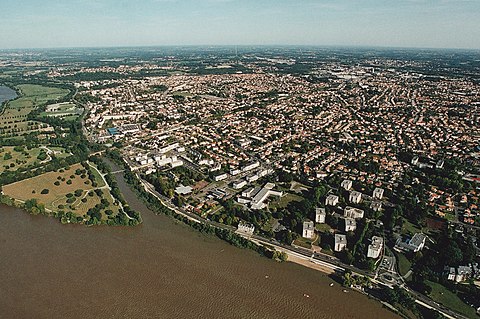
(453, 254)
(45, 191)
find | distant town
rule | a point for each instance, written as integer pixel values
(359, 162)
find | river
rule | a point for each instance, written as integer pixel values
(6, 94)
(160, 269)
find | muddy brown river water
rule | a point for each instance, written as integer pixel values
(160, 269)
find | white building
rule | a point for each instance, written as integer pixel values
(308, 230)
(415, 160)
(246, 228)
(440, 164)
(376, 206)
(331, 200)
(235, 172)
(251, 166)
(415, 244)
(352, 212)
(168, 148)
(239, 184)
(176, 163)
(260, 197)
(378, 193)
(347, 184)
(375, 248)
(350, 224)
(340, 242)
(250, 192)
(320, 215)
(355, 197)
(220, 177)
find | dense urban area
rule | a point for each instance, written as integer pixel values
(365, 162)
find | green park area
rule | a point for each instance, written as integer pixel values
(76, 190)
(404, 264)
(67, 111)
(282, 202)
(449, 299)
(14, 115)
(16, 157)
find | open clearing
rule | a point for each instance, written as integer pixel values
(62, 196)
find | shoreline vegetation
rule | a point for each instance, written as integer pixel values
(124, 217)
(157, 207)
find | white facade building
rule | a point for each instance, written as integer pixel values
(352, 212)
(347, 184)
(308, 230)
(355, 197)
(350, 224)
(239, 184)
(246, 228)
(378, 193)
(220, 177)
(340, 242)
(375, 248)
(320, 215)
(331, 200)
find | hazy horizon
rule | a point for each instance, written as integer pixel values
(429, 24)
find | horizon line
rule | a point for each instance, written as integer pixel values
(353, 46)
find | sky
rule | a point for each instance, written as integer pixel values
(105, 23)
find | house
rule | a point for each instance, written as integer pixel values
(331, 200)
(320, 215)
(350, 224)
(347, 184)
(355, 197)
(378, 193)
(340, 242)
(308, 230)
(352, 212)
(245, 228)
(375, 248)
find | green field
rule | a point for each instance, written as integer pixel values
(12, 159)
(283, 201)
(13, 118)
(449, 299)
(409, 228)
(404, 264)
(323, 228)
(58, 195)
(306, 243)
(67, 111)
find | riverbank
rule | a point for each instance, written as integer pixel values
(7, 94)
